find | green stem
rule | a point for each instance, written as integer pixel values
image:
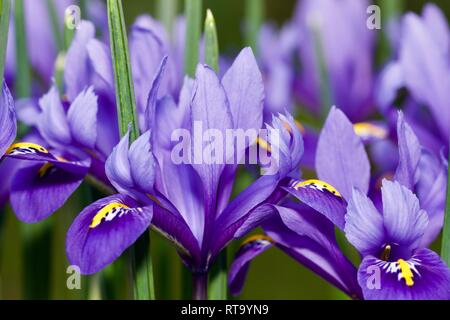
(69, 32)
(325, 85)
(193, 12)
(126, 104)
(199, 286)
(83, 10)
(142, 268)
(445, 249)
(218, 278)
(5, 6)
(166, 13)
(254, 15)
(12, 259)
(23, 73)
(141, 262)
(57, 34)
(390, 9)
(211, 42)
(95, 287)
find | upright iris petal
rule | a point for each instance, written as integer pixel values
(7, 120)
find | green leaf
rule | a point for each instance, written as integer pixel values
(23, 72)
(390, 10)
(193, 13)
(166, 12)
(139, 257)
(445, 249)
(325, 85)
(211, 42)
(218, 278)
(69, 31)
(126, 104)
(5, 6)
(254, 15)
(142, 267)
(57, 34)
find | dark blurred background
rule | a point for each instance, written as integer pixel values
(229, 14)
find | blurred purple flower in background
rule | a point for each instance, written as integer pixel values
(41, 39)
(335, 32)
(422, 66)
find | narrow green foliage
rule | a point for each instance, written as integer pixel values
(193, 13)
(445, 249)
(5, 7)
(166, 12)
(23, 72)
(126, 104)
(211, 42)
(254, 15)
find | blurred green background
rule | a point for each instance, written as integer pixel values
(273, 275)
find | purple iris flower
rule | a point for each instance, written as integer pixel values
(333, 26)
(189, 203)
(394, 242)
(41, 40)
(422, 66)
(58, 157)
(64, 156)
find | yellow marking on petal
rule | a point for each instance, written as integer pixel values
(366, 129)
(104, 212)
(407, 274)
(153, 198)
(386, 253)
(319, 183)
(43, 170)
(258, 237)
(263, 144)
(297, 124)
(26, 145)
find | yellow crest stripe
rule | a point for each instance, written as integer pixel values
(104, 212)
(258, 237)
(318, 183)
(43, 170)
(407, 274)
(263, 144)
(26, 145)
